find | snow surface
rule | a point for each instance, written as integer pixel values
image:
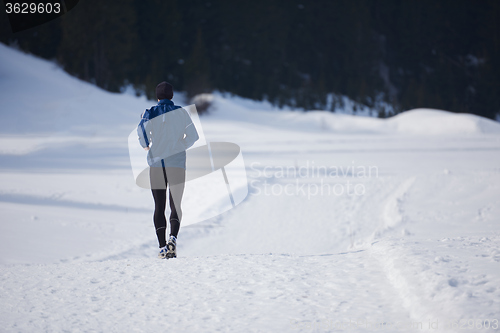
(412, 243)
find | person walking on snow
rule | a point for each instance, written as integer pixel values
(166, 131)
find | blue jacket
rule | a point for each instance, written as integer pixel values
(163, 106)
(168, 130)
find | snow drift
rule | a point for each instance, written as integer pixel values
(435, 122)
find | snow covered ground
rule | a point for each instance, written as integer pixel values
(351, 223)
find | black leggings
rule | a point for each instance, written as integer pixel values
(160, 198)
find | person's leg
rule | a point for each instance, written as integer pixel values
(159, 191)
(175, 223)
(160, 198)
(176, 179)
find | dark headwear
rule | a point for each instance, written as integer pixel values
(164, 90)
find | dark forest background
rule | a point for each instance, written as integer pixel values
(437, 54)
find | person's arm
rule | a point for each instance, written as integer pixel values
(142, 130)
(191, 135)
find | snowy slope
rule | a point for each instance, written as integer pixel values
(412, 242)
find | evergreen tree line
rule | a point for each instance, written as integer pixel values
(415, 53)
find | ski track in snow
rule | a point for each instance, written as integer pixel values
(433, 279)
(77, 250)
(392, 214)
